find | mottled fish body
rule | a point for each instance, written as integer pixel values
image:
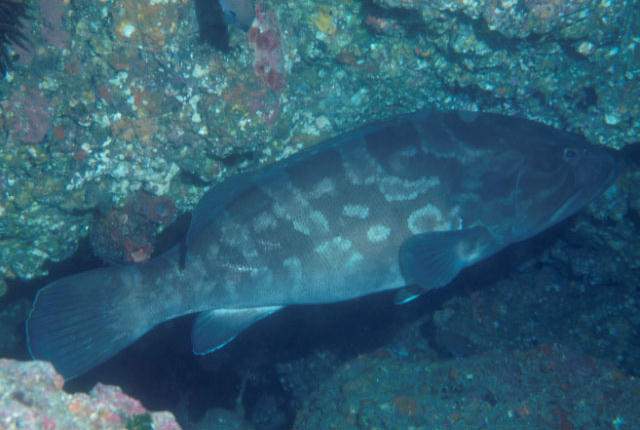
(406, 202)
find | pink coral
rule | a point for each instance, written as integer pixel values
(52, 12)
(29, 116)
(115, 399)
(33, 399)
(128, 234)
(266, 41)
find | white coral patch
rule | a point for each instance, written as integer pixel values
(426, 219)
(355, 211)
(320, 221)
(378, 233)
(397, 189)
(337, 245)
(293, 265)
(263, 222)
(354, 259)
(301, 226)
(322, 188)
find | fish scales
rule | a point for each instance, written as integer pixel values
(295, 216)
(404, 203)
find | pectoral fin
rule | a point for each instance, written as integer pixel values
(216, 328)
(432, 260)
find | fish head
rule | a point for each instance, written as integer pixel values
(560, 173)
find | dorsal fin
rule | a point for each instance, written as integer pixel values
(214, 200)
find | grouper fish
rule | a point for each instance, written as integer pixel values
(402, 204)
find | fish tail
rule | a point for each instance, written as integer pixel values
(80, 321)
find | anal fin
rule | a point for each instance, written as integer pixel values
(215, 328)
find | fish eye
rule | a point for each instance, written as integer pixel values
(570, 154)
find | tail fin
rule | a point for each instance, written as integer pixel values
(80, 321)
